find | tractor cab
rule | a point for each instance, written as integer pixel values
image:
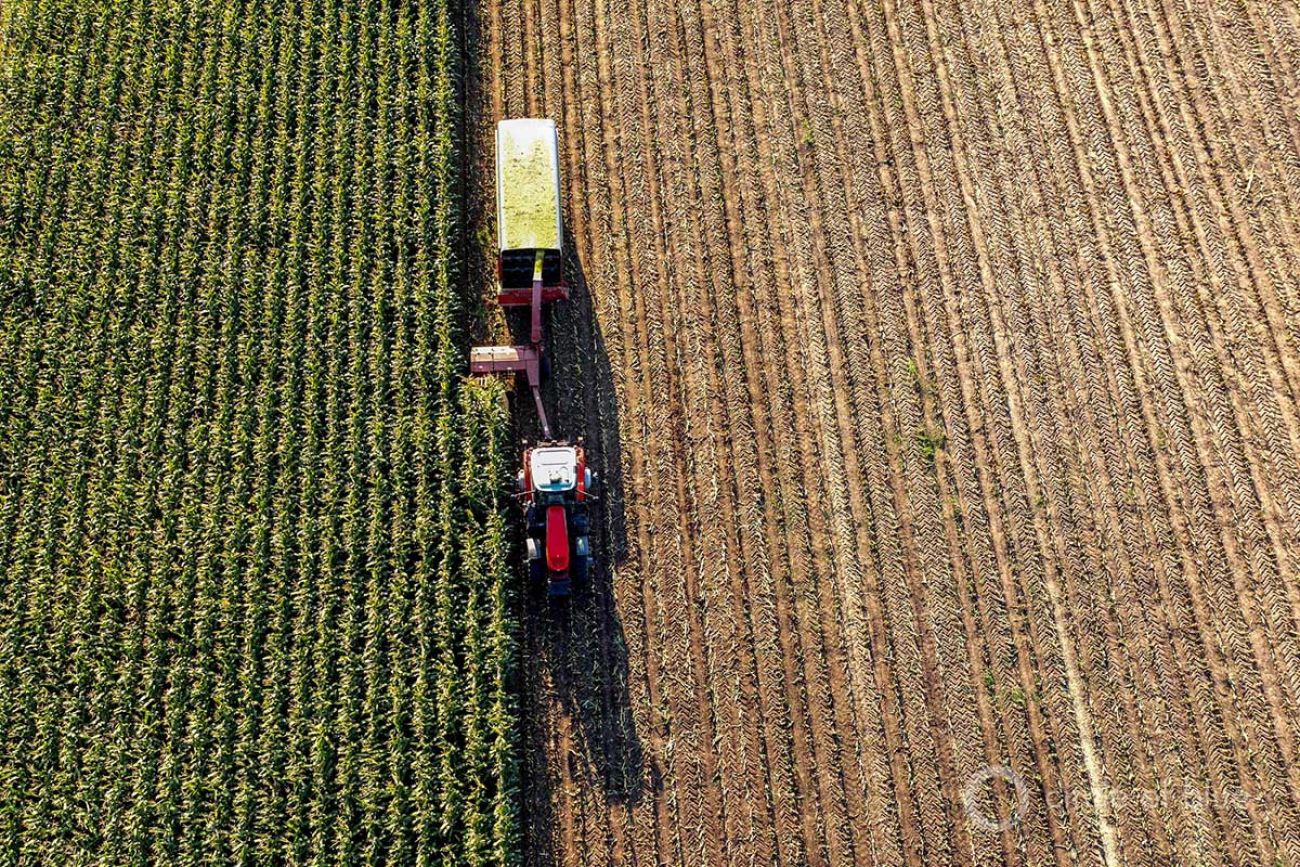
(554, 470)
(556, 484)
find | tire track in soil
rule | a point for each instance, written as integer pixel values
(1206, 436)
(1020, 301)
(1277, 83)
(787, 493)
(1066, 506)
(1243, 233)
(914, 501)
(745, 338)
(893, 158)
(1023, 632)
(1264, 391)
(711, 459)
(598, 408)
(1266, 177)
(1015, 446)
(649, 357)
(1121, 392)
(796, 490)
(838, 299)
(1252, 410)
(1069, 379)
(1026, 229)
(688, 397)
(832, 300)
(1241, 125)
(1258, 113)
(879, 256)
(1275, 474)
(1189, 535)
(708, 458)
(1074, 553)
(956, 589)
(607, 141)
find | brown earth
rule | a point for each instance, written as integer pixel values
(941, 361)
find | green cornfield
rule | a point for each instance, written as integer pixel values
(254, 585)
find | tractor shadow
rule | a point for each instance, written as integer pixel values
(581, 640)
(579, 725)
(576, 724)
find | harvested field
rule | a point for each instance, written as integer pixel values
(941, 360)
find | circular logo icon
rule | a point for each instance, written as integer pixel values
(976, 782)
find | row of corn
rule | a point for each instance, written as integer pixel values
(254, 605)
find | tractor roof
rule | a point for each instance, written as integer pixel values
(554, 468)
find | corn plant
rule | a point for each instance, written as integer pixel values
(254, 595)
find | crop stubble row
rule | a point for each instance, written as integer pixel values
(952, 383)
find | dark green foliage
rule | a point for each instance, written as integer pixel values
(254, 597)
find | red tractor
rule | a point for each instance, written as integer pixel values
(555, 483)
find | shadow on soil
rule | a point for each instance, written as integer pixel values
(577, 728)
(579, 642)
(582, 638)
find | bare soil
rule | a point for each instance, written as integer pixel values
(941, 361)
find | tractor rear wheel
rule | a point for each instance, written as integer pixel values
(579, 570)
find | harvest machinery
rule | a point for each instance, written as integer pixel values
(554, 483)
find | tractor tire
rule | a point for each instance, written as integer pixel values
(535, 521)
(578, 572)
(536, 564)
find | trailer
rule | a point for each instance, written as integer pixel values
(529, 221)
(554, 483)
(530, 246)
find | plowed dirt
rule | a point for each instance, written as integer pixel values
(941, 362)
